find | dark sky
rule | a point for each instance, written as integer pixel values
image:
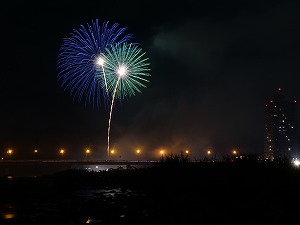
(213, 64)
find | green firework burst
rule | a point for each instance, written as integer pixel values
(126, 68)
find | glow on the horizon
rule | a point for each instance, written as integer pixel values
(296, 162)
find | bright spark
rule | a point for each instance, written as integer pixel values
(100, 61)
(122, 70)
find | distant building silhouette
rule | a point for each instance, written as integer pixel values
(280, 134)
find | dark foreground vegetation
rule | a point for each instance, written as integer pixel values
(175, 191)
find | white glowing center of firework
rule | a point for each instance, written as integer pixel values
(122, 71)
(100, 61)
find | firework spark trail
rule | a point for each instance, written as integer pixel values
(126, 67)
(106, 88)
(100, 62)
(110, 114)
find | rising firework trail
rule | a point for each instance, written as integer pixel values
(127, 69)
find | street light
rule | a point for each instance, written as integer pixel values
(162, 153)
(62, 152)
(234, 152)
(138, 153)
(187, 151)
(87, 152)
(112, 152)
(9, 152)
(35, 152)
(208, 152)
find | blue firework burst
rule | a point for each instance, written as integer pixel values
(80, 69)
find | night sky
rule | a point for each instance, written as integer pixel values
(213, 65)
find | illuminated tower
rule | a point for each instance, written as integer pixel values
(280, 134)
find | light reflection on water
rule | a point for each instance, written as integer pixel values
(7, 211)
(97, 168)
(8, 216)
(33, 170)
(91, 204)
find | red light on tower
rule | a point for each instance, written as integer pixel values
(279, 89)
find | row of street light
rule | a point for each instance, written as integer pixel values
(62, 152)
(87, 152)
(113, 152)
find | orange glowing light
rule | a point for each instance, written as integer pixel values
(9, 216)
